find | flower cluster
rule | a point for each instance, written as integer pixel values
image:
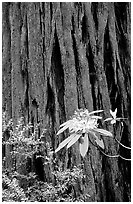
(80, 126)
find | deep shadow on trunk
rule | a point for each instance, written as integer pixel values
(58, 57)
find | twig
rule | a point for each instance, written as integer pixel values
(122, 144)
(111, 156)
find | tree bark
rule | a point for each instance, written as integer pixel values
(58, 57)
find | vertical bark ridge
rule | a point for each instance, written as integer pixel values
(17, 93)
(82, 66)
(6, 60)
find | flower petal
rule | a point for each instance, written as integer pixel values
(62, 144)
(73, 140)
(83, 147)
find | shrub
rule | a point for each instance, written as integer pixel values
(11, 190)
(18, 187)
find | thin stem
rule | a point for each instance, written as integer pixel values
(124, 158)
(122, 144)
(118, 155)
(121, 136)
(111, 156)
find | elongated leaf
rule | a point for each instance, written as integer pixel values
(73, 140)
(121, 119)
(108, 119)
(66, 123)
(62, 144)
(63, 129)
(103, 132)
(96, 117)
(99, 142)
(97, 111)
(83, 147)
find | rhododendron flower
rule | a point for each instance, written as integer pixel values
(80, 126)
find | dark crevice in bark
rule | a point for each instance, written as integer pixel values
(51, 10)
(109, 71)
(38, 165)
(125, 169)
(125, 141)
(94, 10)
(81, 99)
(111, 195)
(84, 30)
(58, 74)
(92, 74)
(77, 68)
(27, 39)
(123, 47)
(50, 111)
(50, 106)
(120, 12)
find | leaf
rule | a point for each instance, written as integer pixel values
(103, 132)
(96, 117)
(65, 123)
(62, 144)
(121, 119)
(99, 142)
(63, 129)
(83, 147)
(108, 119)
(113, 113)
(97, 111)
(74, 139)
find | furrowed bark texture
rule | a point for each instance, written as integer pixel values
(58, 57)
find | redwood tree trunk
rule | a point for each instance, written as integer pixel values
(58, 57)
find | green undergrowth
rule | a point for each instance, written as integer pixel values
(21, 183)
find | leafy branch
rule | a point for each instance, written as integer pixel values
(82, 125)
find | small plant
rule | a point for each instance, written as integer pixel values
(113, 119)
(83, 125)
(63, 190)
(11, 190)
(19, 186)
(24, 143)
